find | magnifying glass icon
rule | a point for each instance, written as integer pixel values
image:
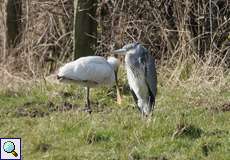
(9, 147)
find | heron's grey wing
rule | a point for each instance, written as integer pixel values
(149, 67)
(151, 78)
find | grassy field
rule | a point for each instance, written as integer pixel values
(188, 123)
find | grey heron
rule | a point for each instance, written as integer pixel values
(141, 74)
(91, 71)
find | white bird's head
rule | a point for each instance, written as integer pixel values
(114, 62)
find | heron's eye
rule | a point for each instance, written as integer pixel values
(141, 60)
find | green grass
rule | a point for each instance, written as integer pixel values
(187, 124)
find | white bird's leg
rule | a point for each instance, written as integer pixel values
(119, 99)
(87, 101)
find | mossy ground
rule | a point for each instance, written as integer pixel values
(187, 124)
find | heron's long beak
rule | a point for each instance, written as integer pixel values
(121, 51)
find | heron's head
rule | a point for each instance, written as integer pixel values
(128, 48)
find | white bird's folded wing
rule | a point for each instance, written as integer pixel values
(92, 68)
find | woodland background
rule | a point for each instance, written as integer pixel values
(35, 36)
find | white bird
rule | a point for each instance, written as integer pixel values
(91, 71)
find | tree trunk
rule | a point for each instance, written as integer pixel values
(10, 20)
(13, 17)
(85, 28)
(2, 24)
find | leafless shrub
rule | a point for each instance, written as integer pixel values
(46, 37)
(189, 38)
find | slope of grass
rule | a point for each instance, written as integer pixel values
(186, 124)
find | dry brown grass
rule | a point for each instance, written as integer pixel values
(190, 40)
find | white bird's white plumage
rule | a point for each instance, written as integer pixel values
(113, 62)
(90, 71)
